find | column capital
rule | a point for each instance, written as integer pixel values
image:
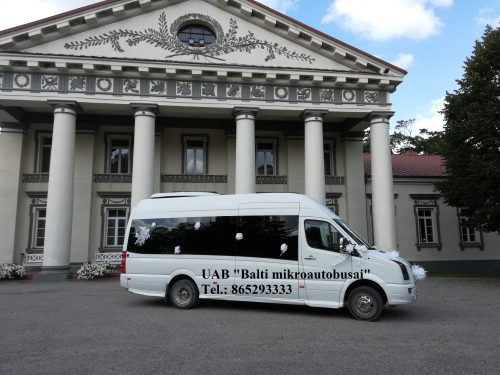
(245, 111)
(68, 106)
(145, 109)
(319, 113)
(381, 116)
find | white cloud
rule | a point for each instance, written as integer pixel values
(412, 19)
(431, 120)
(404, 60)
(282, 6)
(486, 17)
(34, 10)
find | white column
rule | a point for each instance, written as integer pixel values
(144, 152)
(384, 219)
(56, 252)
(245, 150)
(314, 158)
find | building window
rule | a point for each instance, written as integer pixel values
(426, 225)
(39, 228)
(332, 202)
(265, 158)
(119, 155)
(196, 35)
(468, 236)
(195, 154)
(43, 153)
(329, 158)
(116, 224)
(427, 220)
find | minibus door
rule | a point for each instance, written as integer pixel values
(267, 254)
(324, 269)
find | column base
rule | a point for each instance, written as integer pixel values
(53, 274)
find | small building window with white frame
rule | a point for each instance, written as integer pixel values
(266, 158)
(40, 215)
(468, 236)
(44, 152)
(427, 221)
(116, 224)
(119, 154)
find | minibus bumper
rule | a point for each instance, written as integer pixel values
(400, 294)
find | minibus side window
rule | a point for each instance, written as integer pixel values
(270, 237)
(156, 236)
(210, 236)
(322, 235)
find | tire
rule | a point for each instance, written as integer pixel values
(184, 294)
(365, 304)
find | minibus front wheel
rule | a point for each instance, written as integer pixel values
(184, 294)
(365, 303)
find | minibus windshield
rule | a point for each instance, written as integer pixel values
(356, 237)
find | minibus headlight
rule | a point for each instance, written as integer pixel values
(404, 270)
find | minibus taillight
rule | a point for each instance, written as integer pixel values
(123, 264)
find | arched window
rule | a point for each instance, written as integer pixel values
(196, 35)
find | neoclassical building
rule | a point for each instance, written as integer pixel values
(108, 104)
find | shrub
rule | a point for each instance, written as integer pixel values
(90, 270)
(11, 271)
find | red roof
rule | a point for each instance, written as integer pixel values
(103, 2)
(412, 165)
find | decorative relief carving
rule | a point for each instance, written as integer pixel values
(233, 91)
(281, 92)
(371, 96)
(208, 89)
(258, 92)
(22, 81)
(167, 40)
(131, 85)
(184, 88)
(77, 83)
(158, 87)
(348, 95)
(50, 82)
(303, 94)
(326, 95)
(104, 84)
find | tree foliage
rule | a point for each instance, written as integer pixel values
(472, 137)
(402, 140)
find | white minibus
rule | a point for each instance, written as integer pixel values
(275, 248)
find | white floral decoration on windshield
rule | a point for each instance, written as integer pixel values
(142, 235)
(239, 236)
(284, 248)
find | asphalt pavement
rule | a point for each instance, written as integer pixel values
(97, 327)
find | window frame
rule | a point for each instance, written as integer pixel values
(112, 201)
(194, 137)
(479, 242)
(108, 140)
(36, 223)
(40, 136)
(107, 218)
(331, 142)
(330, 239)
(275, 143)
(427, 201)
(38, 202)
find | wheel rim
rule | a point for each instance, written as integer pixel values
(364, 303)
(183, 295)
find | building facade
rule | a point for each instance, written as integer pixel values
(105, 105)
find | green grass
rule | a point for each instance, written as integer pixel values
(454, 274)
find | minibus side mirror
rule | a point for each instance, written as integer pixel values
(343, 243)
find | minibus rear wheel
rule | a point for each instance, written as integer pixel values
(184, 294)
(365, 303)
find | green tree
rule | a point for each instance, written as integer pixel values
(472, 137)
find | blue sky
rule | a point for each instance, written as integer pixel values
(429, 38)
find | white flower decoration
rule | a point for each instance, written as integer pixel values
(239, 236)
(284, 248)
(197, 225)
(177, 250)
(142, 235)
(419, 273)
(153, 225)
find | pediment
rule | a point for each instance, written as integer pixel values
(247, 35)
